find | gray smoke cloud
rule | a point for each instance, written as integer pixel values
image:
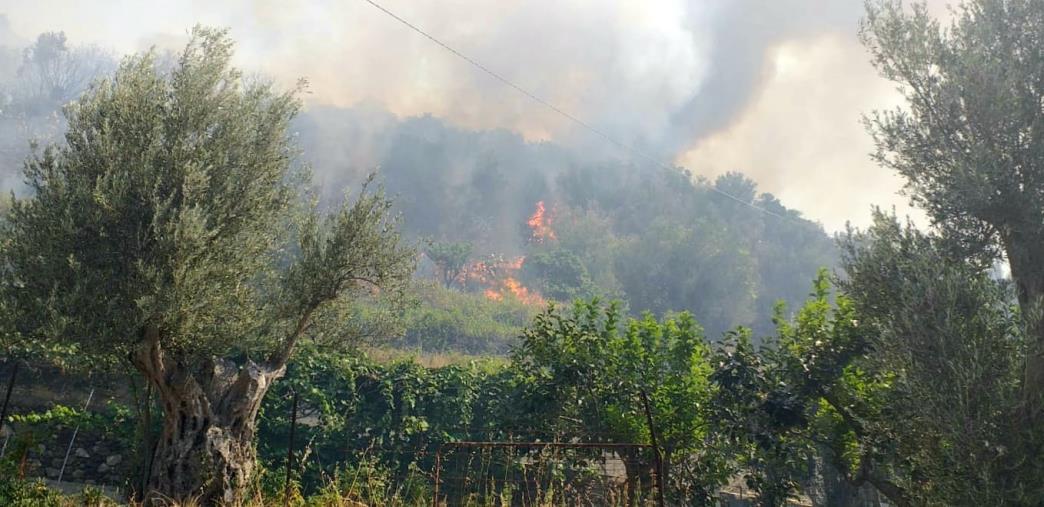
(684, 81)
(743, 32)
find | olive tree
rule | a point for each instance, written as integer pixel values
(970, 139)
(931, 403)
(172, 228)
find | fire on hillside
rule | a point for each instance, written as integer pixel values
(497, 276)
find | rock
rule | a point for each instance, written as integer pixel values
(82, 453)
(51, 472)
(77, 474)
(113, 460)
(102, 468)
(90, 481)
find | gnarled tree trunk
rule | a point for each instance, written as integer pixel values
(206, 451)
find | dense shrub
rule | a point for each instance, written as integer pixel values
(449, 320)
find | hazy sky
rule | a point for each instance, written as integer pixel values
(772, 88)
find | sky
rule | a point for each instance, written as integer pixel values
(773, 88)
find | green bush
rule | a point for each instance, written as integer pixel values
(449, 320)
(16, 492)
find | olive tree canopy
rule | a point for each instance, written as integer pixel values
(970, 139)
(171, 227)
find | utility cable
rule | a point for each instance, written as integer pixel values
(632, 149)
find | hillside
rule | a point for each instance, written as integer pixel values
(531, 221)
(565, 225)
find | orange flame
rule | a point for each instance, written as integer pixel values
(522, 293)
(540, 224)
(497, 278)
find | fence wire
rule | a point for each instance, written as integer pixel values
(541, 474)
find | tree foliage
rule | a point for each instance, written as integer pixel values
(587, 375)
(947, 352)
(450, 260)
(35, 83)
(969, 139)
(659, 239)
(907, 380)
(170, 227)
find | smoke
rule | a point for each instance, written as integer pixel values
(743, 32)
(673, 78)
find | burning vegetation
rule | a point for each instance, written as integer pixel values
(497, 277)
(500, 279)
(540, 224)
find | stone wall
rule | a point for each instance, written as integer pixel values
(92, 460)
(96, 457)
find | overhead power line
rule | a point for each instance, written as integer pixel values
(626, 147)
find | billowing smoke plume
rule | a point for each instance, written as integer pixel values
(662, 76)
(470, 161)
(741, 35)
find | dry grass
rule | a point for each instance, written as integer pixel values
(386, 355)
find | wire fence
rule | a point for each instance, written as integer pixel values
(538, 474)
(446, 465)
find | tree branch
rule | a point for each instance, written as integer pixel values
(278, 359)
(888, 488)
(148, 355)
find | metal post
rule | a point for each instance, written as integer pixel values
(656, 449)
(513, 448)
(150, 445)
(290, 450)
(438, 470)
(7, 397)
(73, 439)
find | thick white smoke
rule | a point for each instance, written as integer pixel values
(685, 81)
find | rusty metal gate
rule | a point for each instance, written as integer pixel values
(543, 474)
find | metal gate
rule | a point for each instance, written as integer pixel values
(543, 474)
